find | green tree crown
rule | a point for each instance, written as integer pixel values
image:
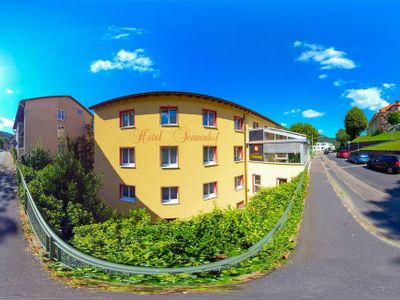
(355, 122)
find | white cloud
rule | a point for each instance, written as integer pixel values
(369, 98)
(121, 36)
(6, 123)
(118, 33)
(297, 44)
(328, 58)
(323, 76)
(9, 91)
(130, 60)
(389, 85)
(283, 124)
(311, 113)
(320, 130)
(292, 111)
(339, 82)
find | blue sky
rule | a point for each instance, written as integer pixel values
(294, 61)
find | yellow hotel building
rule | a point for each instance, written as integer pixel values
(174, 153)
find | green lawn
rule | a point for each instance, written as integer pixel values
(391, 146)
(385, 136)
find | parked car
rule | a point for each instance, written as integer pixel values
(327, 151)
(358, 158)
(387, 163)
(343, 154)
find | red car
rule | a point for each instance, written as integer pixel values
(343, 154)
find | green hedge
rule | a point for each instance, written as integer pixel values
(202, 239)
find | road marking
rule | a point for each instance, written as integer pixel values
(355, 166)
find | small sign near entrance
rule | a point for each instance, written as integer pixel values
(256, 152)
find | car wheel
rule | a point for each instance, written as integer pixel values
(390, 170)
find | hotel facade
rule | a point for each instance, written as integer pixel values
(178, 153)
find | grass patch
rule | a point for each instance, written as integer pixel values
(384, 136)
(390, 146)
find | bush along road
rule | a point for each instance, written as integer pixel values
(207, 238)
(335, 258)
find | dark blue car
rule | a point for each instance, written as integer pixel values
(358, 158)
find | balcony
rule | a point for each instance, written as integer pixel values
(272, 145)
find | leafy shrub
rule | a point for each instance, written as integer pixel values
(66, 194)
(37, 158)
(192, 242)
(202, 239)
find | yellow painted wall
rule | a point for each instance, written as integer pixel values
(269, 173)
(148, 177)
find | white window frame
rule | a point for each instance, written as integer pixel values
(170, 200)
(129, 198)
(209, 162)
(235, 149)
(60, 114)
(240, 120)
(169, 165)
(239, 179)
(122, 119)
(209, 195)
(168, 110)
(129, 164)
(208, 112)
(256, 186)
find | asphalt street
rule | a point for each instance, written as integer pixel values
(388, 183)
(336, 258)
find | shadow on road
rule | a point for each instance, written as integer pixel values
(388, 217)
(8, 226)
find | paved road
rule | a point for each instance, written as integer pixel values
(335, 258)
(388, 183)
(375, 196)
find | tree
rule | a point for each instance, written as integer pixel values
(2, 142)
(394, 118)
(67, 195)
(342, 137)
(306, 129)
(355, 122)
(37, 158)
(83, 148)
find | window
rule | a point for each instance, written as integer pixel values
(239, 182)
(60, 131)
(210, 190)
(127, 193)
(209, 118)
(169, 157)
(127, 119)
(169, 115)
(238, 153)
(127, 157)
(256, 183)
(255, 125)
(60, 115)
(169, 195)
(238, 123)
(281, 157)
(280, 181)
(209, 155)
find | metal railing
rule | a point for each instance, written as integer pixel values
(61, 251)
